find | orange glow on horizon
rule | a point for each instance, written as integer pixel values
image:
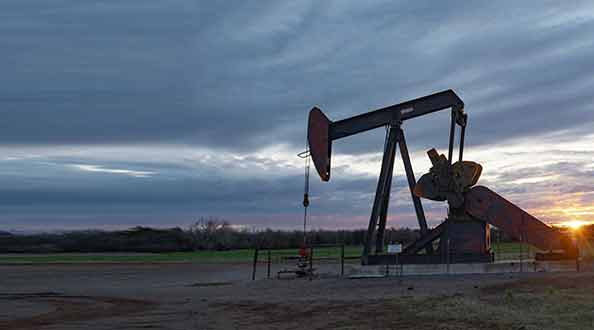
(567, 211)
(574, 224)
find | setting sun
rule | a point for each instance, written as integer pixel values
(574, 224)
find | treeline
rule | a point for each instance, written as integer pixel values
(139, 239)
(206, 234)
(217, 235)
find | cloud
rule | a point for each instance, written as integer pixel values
(243, 76)
(210, 103)
(100, 169)
(197, 182)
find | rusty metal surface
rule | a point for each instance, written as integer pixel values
(447, 181)
(468, 237)
(484, 204)
(319, 143)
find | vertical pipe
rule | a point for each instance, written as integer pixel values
(462, 133)
(268, 265)
(306, 199)
(452, 132)
(304, 226)
(254, 265)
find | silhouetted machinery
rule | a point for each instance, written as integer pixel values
(464, 236)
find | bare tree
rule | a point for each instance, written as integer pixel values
(212, 233)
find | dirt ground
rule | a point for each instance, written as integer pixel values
(221, 296)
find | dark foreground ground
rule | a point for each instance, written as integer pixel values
(218, 296)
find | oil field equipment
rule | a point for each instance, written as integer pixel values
(464, 236)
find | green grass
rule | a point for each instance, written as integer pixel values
(231, 256)
(502, 251)
(513, 251)
(74, 258)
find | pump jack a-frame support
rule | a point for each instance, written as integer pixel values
(377, 222)
(321, 133)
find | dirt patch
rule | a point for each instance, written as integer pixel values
(549, 301)
(72, 308)
(582, 281)
(402, 313)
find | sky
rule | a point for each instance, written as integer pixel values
(157, 113)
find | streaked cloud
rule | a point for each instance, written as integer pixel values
(100, 169)
(158, 113)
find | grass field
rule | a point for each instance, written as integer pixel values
(502, 251)
(231, 256)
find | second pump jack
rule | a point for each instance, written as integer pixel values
(464, 236)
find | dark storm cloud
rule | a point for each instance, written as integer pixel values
(243, 75)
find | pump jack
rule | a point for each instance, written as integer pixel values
(464, 236)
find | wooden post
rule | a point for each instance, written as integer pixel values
(311, 252)
(448, 255)
(342, 260)
(522, 247)
(498, 251)
(577, 259)
(268, 266)
(255, 264)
